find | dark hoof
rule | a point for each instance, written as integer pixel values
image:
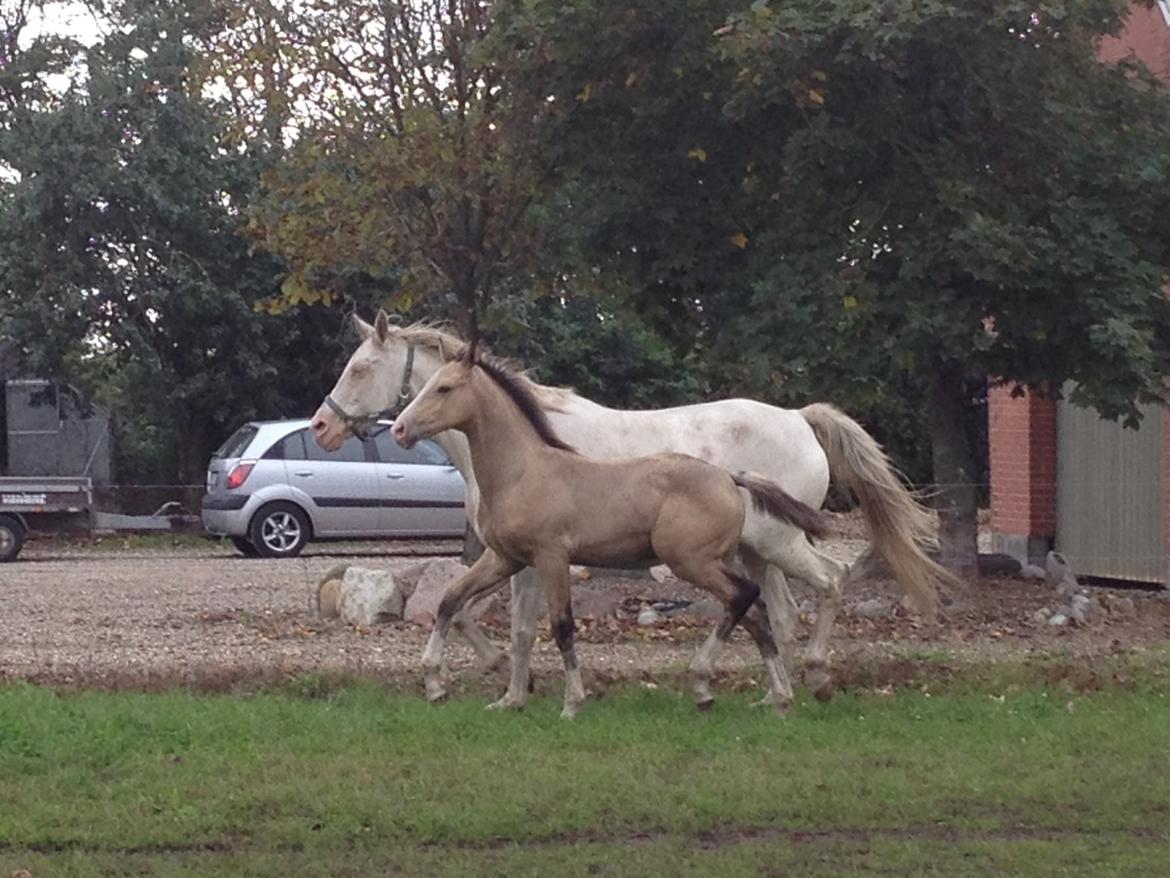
(824, 693)
(705, 705)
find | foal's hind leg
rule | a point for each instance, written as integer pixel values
(554, 571)
(489, 571)
(738, 595)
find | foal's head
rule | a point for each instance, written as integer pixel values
(453, 395)
(447, 401)
(369, 385)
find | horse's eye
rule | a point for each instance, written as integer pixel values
(443, 388)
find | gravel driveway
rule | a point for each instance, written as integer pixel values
(205, 616)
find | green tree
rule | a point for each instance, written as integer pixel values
(121, 263)
(924, 194)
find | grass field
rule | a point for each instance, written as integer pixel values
(357, 780)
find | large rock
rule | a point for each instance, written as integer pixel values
(431, 582)
(369, 597)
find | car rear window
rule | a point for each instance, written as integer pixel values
(238, 442)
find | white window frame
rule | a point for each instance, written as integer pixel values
(1164, 5)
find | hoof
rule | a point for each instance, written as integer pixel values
(782, 704)
(436, 694)
(824, 692)
(506, 703)
(568, 712)
(705, 704)
(818, 679)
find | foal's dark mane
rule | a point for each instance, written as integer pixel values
(498, 370)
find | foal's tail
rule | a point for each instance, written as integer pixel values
(902, 528)
(771, 499)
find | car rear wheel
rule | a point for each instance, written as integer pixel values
(279, 530)
(244, 547)
(11, 537)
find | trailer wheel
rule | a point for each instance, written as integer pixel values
(11, 537)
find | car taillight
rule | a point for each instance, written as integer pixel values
(239, 472)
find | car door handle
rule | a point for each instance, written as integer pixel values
(305, 474)
(396, 475)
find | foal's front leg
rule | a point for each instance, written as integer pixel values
(488, 572)
(554, 572)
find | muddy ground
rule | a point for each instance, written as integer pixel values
(107, 615)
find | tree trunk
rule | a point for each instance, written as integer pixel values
(954, 471)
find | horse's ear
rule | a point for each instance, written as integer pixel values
(382, 325)
(364, 330)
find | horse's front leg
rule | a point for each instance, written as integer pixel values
(488, 572)
(491, 656)
(526, 603)
(554, 573)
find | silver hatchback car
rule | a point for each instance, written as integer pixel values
(271, 488)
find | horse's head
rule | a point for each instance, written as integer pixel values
(446, 402)
(370, 386)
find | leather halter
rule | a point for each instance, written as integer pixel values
(360, 425)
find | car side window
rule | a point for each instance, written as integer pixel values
(351, 451)
(390, 451)
(425, 452)
(432, 453)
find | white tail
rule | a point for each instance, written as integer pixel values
(903, 530)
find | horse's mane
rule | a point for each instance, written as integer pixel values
(447, 343)
(519, 389)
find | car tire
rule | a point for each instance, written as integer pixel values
(244, 547)
(11, 537)
(279, 530)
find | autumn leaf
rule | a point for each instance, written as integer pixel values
(816, 97)
(739, 239)
(697, 153)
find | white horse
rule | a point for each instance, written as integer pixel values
(797, 449)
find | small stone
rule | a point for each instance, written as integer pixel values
(1059, 620)
(329, 598)
(807, 607)
(1031, 571)
(661, 573)
(875, 608)
(1118, 605)
(648, 617)
(1041, 615)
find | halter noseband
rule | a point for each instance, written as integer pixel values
(360, 425)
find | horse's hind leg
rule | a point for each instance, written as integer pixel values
(554, 571)
(526, 594)
(781, 614)
(827, 575)
(488, 572)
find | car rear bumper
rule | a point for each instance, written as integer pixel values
(224, 515)
(224, 503)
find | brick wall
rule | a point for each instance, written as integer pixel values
(1146, 35)
(1022, 433)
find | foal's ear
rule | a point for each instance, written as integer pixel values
(382, 325)
(364, 330)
